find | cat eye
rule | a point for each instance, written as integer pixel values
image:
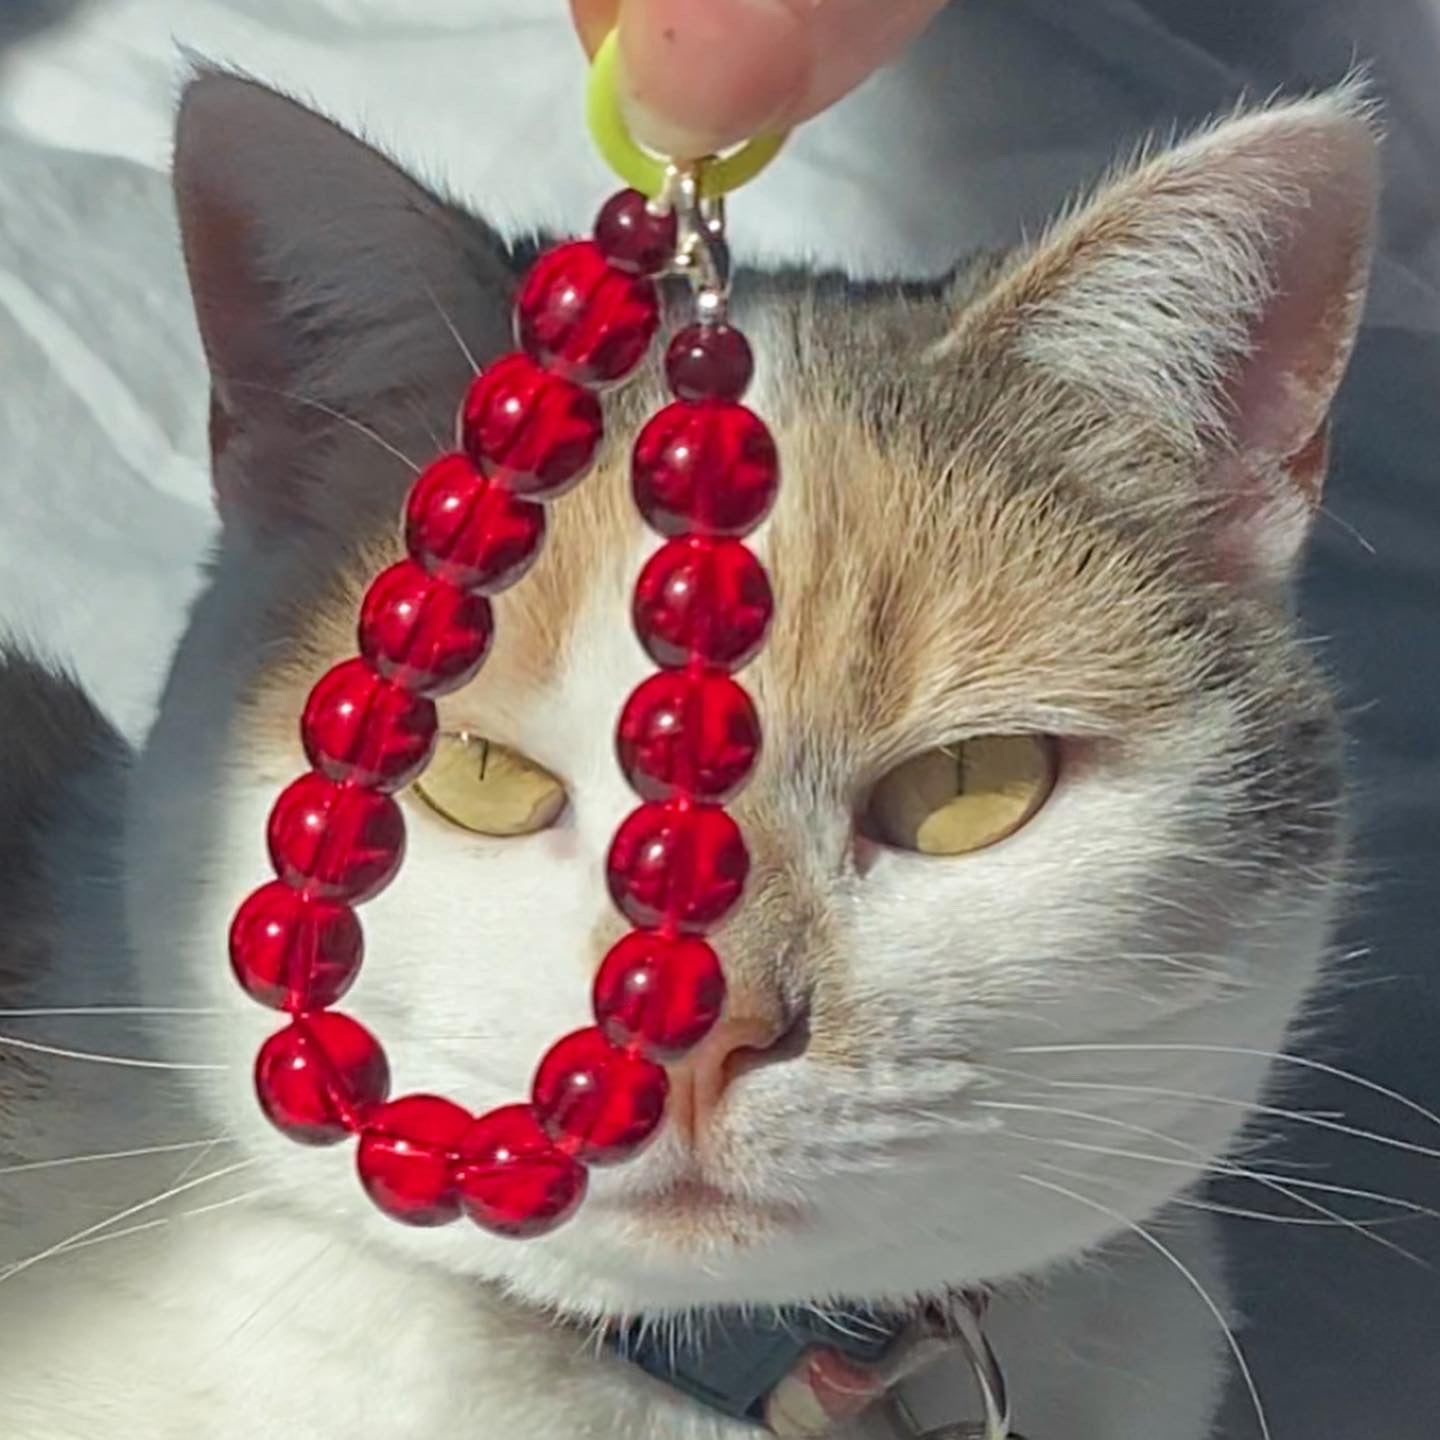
(489, 788)
(962, 797)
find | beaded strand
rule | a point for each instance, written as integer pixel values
(705, 473)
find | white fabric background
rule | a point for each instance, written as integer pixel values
(993, 117)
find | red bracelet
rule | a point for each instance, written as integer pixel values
(705, 474)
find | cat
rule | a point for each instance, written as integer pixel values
(1056, 502)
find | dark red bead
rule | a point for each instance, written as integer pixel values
(322, 1078)
(407, 1156)
(336, 842)
(703, 600)
(513, 1179)
(292, 952)
(470, 531)
(677, 865)
(422, 632)
(529, 430)
(633, 237)
(582, 318)
(359, 727)
(710, 468)
(659, 994)
(688, 733)
(709, 362)
(598, 1103)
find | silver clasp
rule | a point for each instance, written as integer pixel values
(702, 255)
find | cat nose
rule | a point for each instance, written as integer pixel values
(737, 1045)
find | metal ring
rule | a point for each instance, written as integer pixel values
(961, 1327)
(640, 169)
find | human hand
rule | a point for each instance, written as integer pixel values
(697, 76)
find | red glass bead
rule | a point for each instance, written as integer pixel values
(598, 1103)
(336, 842)
(688, 733)
(406, 1159)
(422, 632)
(529, 430)
(632, 237)
(513, 1179)
(292, 952)
(660, 994)
(703, 600)
(359, 727)
(678, 865)
(709, 362)
(321, 1078)
(581, 317)
(710, 468)
(467, 530)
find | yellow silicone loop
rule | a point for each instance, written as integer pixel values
(646, 172)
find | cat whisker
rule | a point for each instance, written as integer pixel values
(102, 1012)
(148, 1225)
(20, 1266)
(1237, 1212)
(1279, 1057)
(1300, 1117)
(1224, 1169)
(1186, 1274)
(195, 1162)
(358, 426)
(1220, 1167)
(204, 1146)
(1348, 528)
(1215, 1207)
(34, 1047)
(422, 417)
(454, 330)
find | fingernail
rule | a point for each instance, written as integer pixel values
(653, 130)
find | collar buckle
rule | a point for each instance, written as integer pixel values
(961, 1327)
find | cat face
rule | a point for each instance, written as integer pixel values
(1048, 813)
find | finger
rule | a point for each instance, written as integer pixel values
(849, 39)
(700, 75)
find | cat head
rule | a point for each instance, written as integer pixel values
(1047, 833)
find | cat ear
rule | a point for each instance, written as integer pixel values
(326, 285)
(1211, 297)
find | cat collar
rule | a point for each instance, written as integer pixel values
(802, 1374)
